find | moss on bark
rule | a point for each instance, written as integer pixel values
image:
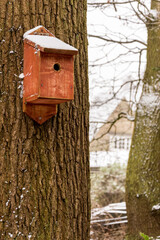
(143, 173)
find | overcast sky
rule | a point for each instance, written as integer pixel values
(106, 76)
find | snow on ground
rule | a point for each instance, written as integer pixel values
(103, 158)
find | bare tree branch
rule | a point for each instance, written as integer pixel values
(116, 41)
(109, 3)
(98, 104)
(112, 123)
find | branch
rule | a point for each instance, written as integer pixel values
(115, 93)
(109, 3)
(95, 64)
(120, 116)
(116, 41)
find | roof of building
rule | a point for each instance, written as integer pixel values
(120, 122)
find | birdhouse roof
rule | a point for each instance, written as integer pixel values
(39, 37)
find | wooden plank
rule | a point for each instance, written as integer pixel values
(118, 205)
(45, 100)
(116, 223)
(117, 211)
(59, 51)
(108, 220)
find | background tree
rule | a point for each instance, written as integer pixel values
(143, 185)
(143, 173)
(44, 170)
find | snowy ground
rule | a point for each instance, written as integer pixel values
(103, 159)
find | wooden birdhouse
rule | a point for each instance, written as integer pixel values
(48, 73)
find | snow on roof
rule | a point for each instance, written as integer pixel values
(48, 42)
(32, 30)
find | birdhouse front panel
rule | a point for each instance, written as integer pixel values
(56, 77)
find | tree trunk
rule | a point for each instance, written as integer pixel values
(143, 173)
(44, 170)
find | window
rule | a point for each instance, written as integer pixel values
(128, 143)
(115, 143)
(121, 143)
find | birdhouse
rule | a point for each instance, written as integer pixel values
(48, 73)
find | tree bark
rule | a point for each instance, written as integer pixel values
(44, 170)
(143, 173)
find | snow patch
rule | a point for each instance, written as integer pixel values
(154, 13)
(21, 196)
(149, 99)
(156, 207)
(49, 42)
(7, 203)
(31, 30)
(130, 118)
(103, 158)
(21, 75)
(10, 234)
(29, 236)
(149, 102)
(21, 89)
(32, 220)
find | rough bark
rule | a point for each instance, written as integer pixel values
(44, 170)
(143, 173)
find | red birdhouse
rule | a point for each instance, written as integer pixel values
(48, 73)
